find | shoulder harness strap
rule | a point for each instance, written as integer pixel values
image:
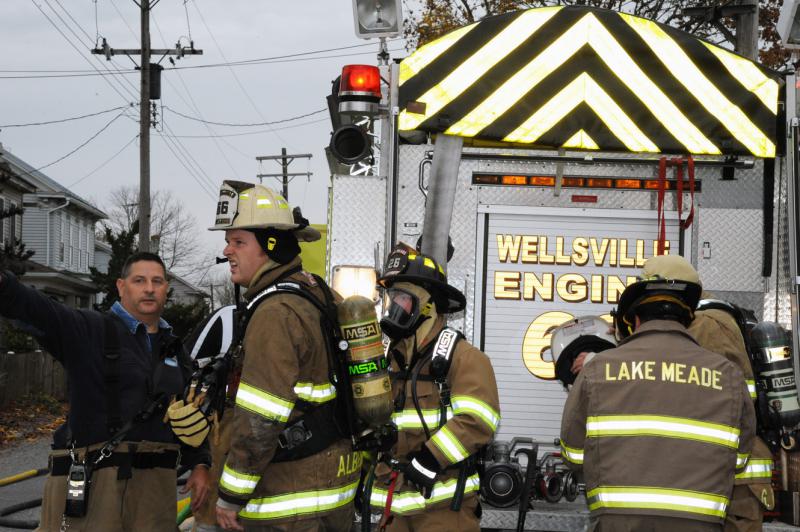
(111, 374)
(442, 354)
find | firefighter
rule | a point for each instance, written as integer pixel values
(122, 366)
(658, 425)
(288, 467)
(717, 330)
(446, 403)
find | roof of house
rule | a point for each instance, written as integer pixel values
(44, 185)
(189, 287)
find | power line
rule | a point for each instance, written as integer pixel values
(106, 67)
(277, 58)
(189, 170)
(246, 133)
(77, 49)
(73, 20)
(62, 120)
(254, 124)
(87, 141)
(193, 105)
(106, 162)
(233, 73)
(291, 58)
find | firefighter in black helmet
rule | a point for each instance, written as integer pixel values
(446, 402)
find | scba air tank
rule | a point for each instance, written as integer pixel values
(366, 363)
(772, 353)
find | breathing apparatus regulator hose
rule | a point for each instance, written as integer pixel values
(415, 398)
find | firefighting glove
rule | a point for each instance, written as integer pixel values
(421, 470)
(188, 423)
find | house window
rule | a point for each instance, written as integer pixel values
(2, 222)
(64, 235)
(14, 229)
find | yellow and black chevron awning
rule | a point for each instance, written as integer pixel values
(584, 78)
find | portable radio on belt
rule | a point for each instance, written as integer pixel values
(79, 479)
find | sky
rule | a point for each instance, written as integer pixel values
(42, 36)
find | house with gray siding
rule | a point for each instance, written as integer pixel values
(59, 226)
(12, 189)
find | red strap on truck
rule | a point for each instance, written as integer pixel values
(677, 162)
(662, 223)
(690, 171)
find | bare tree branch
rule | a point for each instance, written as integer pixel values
(172, 225)
(434, 18)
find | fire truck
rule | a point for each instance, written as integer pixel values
(556, 149)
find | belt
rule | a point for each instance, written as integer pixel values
(59, 465)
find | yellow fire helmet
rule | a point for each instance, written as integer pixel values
(244, 205)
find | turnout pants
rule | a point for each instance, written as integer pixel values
(145, 501)
(440, 519)
(220, 443)
(339, 521)
(745, 513)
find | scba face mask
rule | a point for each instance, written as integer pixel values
(409, 307)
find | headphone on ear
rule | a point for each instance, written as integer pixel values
(279, 245)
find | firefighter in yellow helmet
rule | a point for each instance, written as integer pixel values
(285, 466)
(716, 329)
(446, 403)
(658, 425)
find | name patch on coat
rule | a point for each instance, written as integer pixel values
(651, 370)
(349, 463)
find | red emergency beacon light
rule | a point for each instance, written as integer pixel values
(360, 90)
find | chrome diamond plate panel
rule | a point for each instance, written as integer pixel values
(745, 191)
(729, 249)
(562, 516)
(411, 215)
(356, 221)
(777, 306)
(749, 300)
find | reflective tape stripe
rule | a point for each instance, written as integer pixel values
(581, 139)
(236, 482)
(263, 202)
(300, 503)
(757, 468)
(663, 426)
(424, 55)
(446, 441)
(463, 404)
(749, 75)
(583, 89)
(477, 65)
(571, 454)
(751, 387)
(410, 501)
(741, 460)
(315, 393)
(708, 95)
(657, 498)
(588, 30)
(409, 419)
(263, 403)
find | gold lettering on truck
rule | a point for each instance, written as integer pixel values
(506, 285)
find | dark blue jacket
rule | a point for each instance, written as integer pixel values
(76, 338)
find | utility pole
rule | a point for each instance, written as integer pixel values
(284, 176)
(746, 14)
(144, 107)
(747, 30)
(144, 132)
